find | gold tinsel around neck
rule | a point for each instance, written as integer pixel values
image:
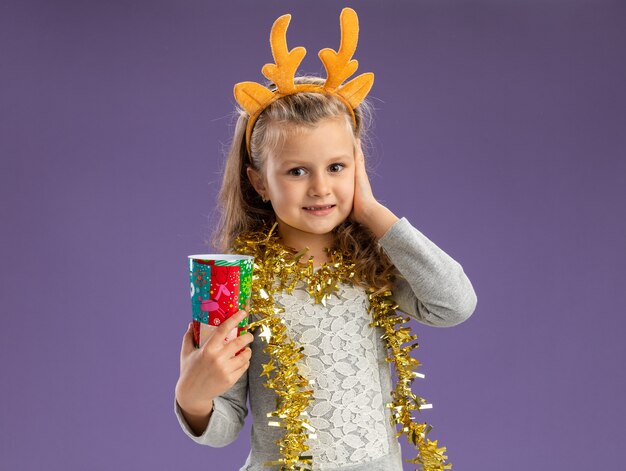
(278, 268)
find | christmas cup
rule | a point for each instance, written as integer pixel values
(220, 286)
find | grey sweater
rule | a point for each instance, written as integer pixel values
(345, 358)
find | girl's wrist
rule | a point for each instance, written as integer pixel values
(379, 219)
(191, 406)
(197, 413)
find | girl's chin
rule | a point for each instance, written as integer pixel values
(293, 232)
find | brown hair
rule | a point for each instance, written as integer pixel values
(243, 210)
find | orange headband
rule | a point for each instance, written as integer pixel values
(254, 97)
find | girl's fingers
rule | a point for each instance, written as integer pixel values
(217, 339)
(362, 181)
(237, 344)
(243, 358)
(363, 197)
(242, 362)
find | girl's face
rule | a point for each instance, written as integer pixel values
(310, 182)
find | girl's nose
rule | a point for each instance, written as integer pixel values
(319, 186)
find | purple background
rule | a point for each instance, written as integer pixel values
(499, 134)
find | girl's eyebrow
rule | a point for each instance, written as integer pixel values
(289, 162)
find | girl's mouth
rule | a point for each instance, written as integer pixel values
(321, 210)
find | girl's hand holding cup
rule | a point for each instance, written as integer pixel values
(211, 370)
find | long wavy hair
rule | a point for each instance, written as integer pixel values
(242, 209)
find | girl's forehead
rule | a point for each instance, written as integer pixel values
(331, 123)
(327, 136)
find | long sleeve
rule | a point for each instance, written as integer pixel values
(431, 287)
(227, 419)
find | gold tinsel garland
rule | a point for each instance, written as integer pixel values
(277, 269)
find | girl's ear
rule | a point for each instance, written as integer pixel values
(257, 181)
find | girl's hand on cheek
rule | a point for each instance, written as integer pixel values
(366, 209)
(364, 201)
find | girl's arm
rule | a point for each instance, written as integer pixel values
(431, 286)
(211, 391)
(226, 420)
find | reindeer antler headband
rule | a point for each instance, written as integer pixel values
(254, 97)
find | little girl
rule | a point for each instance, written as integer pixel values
(331, 265)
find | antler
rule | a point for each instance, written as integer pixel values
(339, 65)
(287, 62)
(254, 97)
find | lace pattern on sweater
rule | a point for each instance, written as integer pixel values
(341, 357)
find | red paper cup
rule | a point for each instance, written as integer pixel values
(220, 286)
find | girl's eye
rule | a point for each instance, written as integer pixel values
(296, 172)
(336, 168)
